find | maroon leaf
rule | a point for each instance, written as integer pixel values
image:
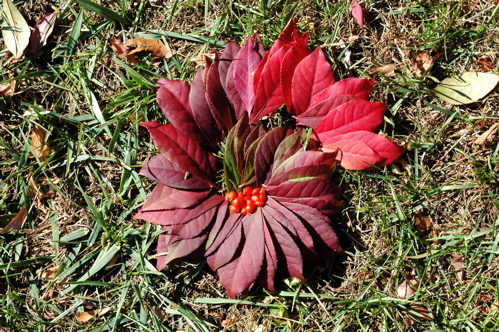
(201, 111)
(311, 78)
(358, 13)
(357, 87)
(382, 148)
(173, 99)
(166, 198)
(182, 151)
(215, 96)
(196, 226)
(314, 115)
(303, 166)
(176, 250)
(42, 32)
(227, 249)
(226, 59)
(162, 170)
(240, 274)
(353, 116)
(245, 64)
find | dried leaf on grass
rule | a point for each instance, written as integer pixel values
(358, 13)
(486, 61)
(458, 265)
(407, 288)
(421, 62)
(388, 70)
(467, 88)
(486, 135)
(39, 143)
(49, 274)
(122, 50)
(7, 89)
(15, 30)
(42, 32)
(17, 222)
(86, 316)
(155, 46)
(422, 222)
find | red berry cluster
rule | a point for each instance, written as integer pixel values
(246, 201)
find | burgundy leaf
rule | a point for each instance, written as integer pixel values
(264, 157)
(288, 147)
(314, 115)
(271, 262)
(245, 64)
(354, 154)
(183, 151)
(173, 99)
(42, 32)
(240, 274)
(227, 250)
(225, 223)
(180, 249)
(233, 95)
(162, 170)
(358, 13)
(353, 116)
(311, 78)
(303, 166)
(196, 226)
(178, 216)
(357, 87)
(388, 151)
(215, 96)
(226, 59)
(166, 198)
(202, 113)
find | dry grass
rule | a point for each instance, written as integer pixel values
(80, 249)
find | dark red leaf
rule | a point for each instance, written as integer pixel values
(173, 99)
(166, 198)
(226, 59)
(245, 64)
(183, 151)
(162, 170)
(289, 63)
(196, 226)
(303, 166)
(177, 250)
(227, 250)
(202, 113)
(350, 157)
(353, 116)
(311, 78)
(42, 32)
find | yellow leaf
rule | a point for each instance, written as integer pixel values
(15, 30)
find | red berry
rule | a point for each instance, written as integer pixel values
(250, 207)
(484, 297)
(255, 191)
(259, 203)
(234, 208)
(230, 196)
(247, 191)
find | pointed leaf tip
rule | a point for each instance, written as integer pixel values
(358, 13)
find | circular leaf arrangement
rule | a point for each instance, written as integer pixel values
(251, 197)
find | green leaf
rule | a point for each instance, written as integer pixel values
(15, 30)
(103, 11)
(467, 88)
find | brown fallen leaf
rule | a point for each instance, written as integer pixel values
(422, 223)
(39, 143)
(486, 135)
(122, 50)
(486, 62)
(7, 89)
(388, 70)
(155, 46)
(17, 222)
(407, 288)
(86, 316)
(49, 274)
(421, 62)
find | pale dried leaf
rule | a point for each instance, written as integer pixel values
(388, 70)
(458, 265)
(7, 89)
(15, 30)
(39, 143)
(407, 288)
(155, 46)
(86, 316)
(49, 274)
(122, 50)
(486, 135)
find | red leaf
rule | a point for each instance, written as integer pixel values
(314, 115)
(357, 87)
(240, 274)
(226, 59)
(162, 170)
(42, 32)
(311, 78)
(354, 154)
(196, 226)
(268, 95)
(382, 149)
(201, 112)
(166, 198)
(358, 13)
(226, 252)
(289, 63)
(245, 64)
(353, 116)
(303, 166)
(182, 151)
(176, 250)
(173, 99)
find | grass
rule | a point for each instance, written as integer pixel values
(81, 262)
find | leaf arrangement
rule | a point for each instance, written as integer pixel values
(253, 201)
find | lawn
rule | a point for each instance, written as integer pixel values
(421, 236)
